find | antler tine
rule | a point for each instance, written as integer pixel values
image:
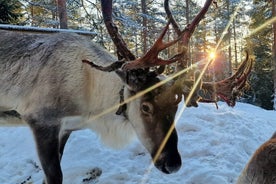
(242, 79)
(228, 89)
(122, 50)
(189, 30)
(243, 68)
(191, 27)
(151, 58)
(159, 44)
(238, 79)
(171, 18)
(186, 34)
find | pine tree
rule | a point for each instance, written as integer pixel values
(10, 11)
(261, 44)
(274, 50)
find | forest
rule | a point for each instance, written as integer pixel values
(229, 28)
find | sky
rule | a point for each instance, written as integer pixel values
(200, 2)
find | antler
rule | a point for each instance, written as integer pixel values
(186, 34)
(122, 50)
(189, 30)
(229, 89)
(151, 58)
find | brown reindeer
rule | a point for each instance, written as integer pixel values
(261, 169)
(58, 83)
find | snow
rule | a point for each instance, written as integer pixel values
(44, 30)
(215, 145)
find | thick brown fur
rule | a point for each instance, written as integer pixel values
(261, 169)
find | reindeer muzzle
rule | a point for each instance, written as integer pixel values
(169, 163)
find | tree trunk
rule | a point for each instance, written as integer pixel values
(144, 30)
(274, 50)
(32, 15)
(62, 13)
(54, 14)
(235, 44)
(187, 12)
(188, 22)
(229, 40)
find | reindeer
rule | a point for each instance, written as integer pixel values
(59, 83)
(261, 168)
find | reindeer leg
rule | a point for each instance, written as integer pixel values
(48, 150)
(62, 141)
(46, 134)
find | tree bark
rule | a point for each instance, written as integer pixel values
(229, 40)
(62, 13)
(54, 14)
(144, 23)
(274, 50)
(188, 22)
(235, 44)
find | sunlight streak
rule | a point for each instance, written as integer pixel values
(228, 25)
(261, 27)
(151, 166)
(141, 93)
(181, 111)
(115, 107)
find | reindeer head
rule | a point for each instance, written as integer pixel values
(154, 101)
(152, 116)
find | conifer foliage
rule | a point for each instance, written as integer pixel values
(9, 11)
(261, 44)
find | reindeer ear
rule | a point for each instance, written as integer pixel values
(273, 136)
(128, 79)
(122, 74)
(138, 79)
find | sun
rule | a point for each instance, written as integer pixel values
(212, 55)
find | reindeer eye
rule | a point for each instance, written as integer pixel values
(147, 108)
(178, 98)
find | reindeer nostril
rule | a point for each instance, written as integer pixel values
(169, 164)
(173, 164)
(172, 168)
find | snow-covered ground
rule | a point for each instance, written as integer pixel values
(214, 145)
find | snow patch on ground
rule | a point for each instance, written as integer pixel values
(215, 145)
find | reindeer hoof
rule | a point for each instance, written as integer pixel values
(92, 176)
(28, 180)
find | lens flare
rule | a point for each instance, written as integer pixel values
(212, 55)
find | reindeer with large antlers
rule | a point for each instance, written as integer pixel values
(59, 83)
